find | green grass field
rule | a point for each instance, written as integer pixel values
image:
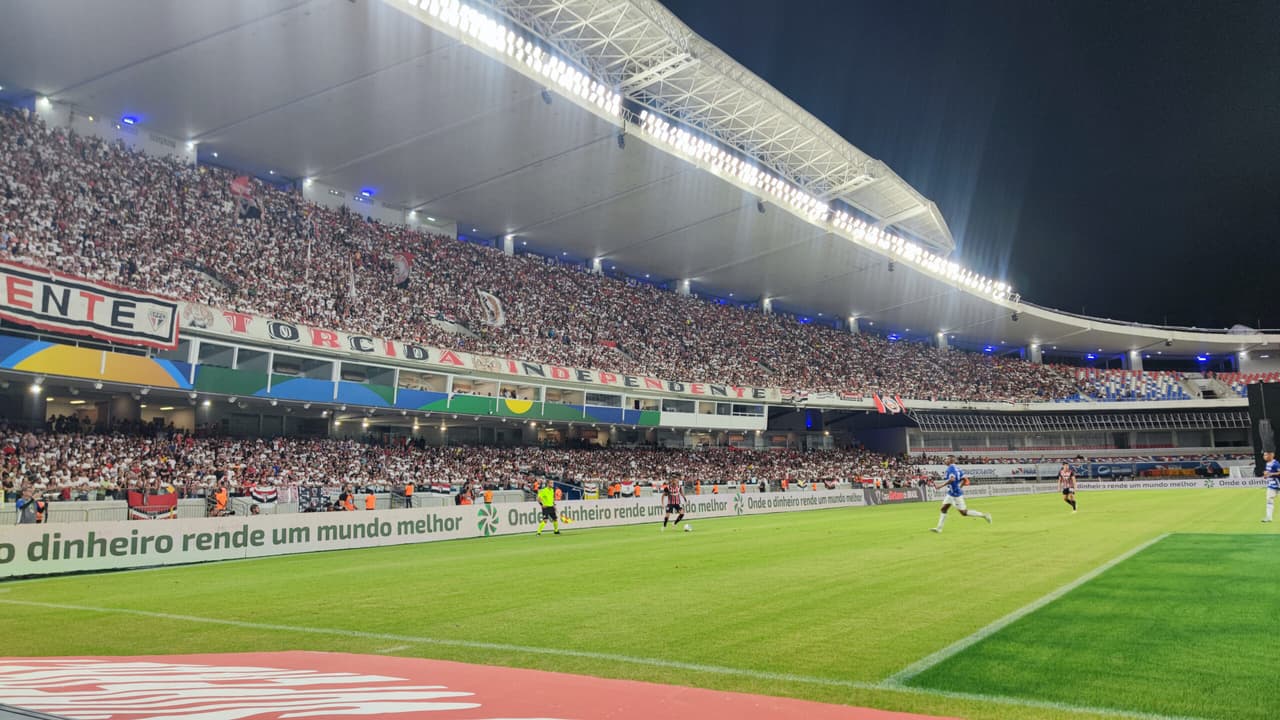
(1180, 629)
(823, 605)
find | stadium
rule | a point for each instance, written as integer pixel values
(642, 385)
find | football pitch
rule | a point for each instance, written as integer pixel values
(1146, 604)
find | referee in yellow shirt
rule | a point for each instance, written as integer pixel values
(547, 499)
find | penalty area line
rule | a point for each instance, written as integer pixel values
(902, 676)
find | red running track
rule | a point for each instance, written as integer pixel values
(275, 686)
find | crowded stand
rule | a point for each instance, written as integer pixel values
(85, 465)
(92, 208)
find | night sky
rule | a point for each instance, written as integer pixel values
(1116, 158)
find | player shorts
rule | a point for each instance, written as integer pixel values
(549, 513)
(1068, 490)
(675, 509)
(957, 501)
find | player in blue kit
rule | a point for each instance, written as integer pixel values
(1271, 471)
(954, 482)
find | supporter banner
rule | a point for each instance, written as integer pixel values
(245, 327)
(48, 300)
(241, 186)
(152, 507)
(312, 499)
(41, 549)
(401, 265)
(264, 493)
(493, 313)
(886, 404)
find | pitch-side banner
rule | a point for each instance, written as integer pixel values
(61, 548)
(1172, 484)
(994, 471)
(48, 300)
(244, 326)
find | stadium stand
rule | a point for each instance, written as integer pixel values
(1240, 382)
(90, 208)
(1110, 385)
(65, 464)
(95, 209)
(82, 465)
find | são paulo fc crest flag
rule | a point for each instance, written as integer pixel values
(401, 265)
(247, 207)
(494, 314)
(891, 405)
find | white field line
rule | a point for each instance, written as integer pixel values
(1026, 702)
(925, 663)
(448, 642)
(562, 652)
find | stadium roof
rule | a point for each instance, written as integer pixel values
(434, 118)
(659, 63)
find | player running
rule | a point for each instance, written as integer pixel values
(673, 495)
(1067, 484)
(547, 499)
(1271, 471)
(954, 481)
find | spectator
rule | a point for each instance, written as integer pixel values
(92, 208)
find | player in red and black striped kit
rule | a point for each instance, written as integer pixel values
(673, 496)
(1067, 483)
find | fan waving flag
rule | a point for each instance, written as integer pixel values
(264, 493)
(241, 187)
(493, 313)
(401, 265)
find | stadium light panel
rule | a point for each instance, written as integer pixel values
(493, 33)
